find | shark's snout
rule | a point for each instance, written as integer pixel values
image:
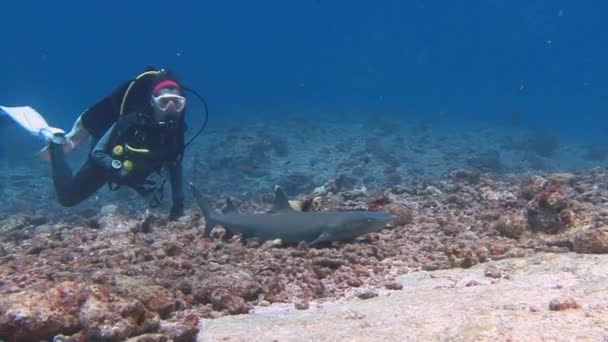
(382, 217)
(369, 222)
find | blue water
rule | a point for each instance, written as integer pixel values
(257, 61)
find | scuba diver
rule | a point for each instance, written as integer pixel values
(137, 130)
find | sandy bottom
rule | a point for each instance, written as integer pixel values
(454, 305)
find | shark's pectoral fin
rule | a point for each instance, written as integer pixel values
(324, 237)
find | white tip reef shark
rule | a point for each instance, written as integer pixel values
(291, 226)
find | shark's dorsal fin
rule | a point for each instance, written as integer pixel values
(229, 208)
(281, 202)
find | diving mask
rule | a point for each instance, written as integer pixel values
(170, 102)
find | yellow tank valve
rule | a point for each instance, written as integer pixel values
(127, 165)
(118, 150)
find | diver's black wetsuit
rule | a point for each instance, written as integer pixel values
(134, 128)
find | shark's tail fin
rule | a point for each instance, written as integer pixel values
(205, 207)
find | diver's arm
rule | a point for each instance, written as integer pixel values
(177, 189)
(100, 153)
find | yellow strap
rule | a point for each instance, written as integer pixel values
(137, 150)
(124, 98)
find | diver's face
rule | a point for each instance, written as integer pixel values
(168, 104)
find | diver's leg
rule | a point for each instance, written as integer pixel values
(177, 190)
(71, 190)
(61, 172)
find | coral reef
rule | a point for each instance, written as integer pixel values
(101, 271)
(112, 280)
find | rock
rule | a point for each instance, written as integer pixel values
(41, 315)
(354, 193)
(103, 277)
(115, 224)
(144, 225)
(432, 190)
(531, 186)
(591, 240)
(223, 300)
(321, 190)
(497, 197)
(562, 178)
(562, 303)
(544, 209)
(276, 243)
(109, 317)
(492, 272)
(302, 304)
(554, 197)
(366, 294)
(353, 281)
(46, 229)
(36, 247)
(15, 222)
(512, 226)
(149, 338)
(236, 282)
(170, 248)
(36, 220)
(92, 223)
(68, 307)
(296, 205)
(333, 263)
(180, 329)
(155, 298)
(394, 286)
(79, 336)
